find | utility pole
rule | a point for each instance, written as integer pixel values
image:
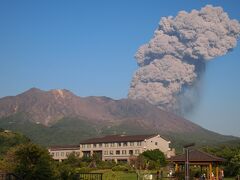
(186, 148)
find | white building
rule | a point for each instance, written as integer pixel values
(60, 153)
(121, 148)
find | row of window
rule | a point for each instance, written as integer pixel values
(123, 152)
(124, 144)
(62, 154)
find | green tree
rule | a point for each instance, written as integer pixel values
(156, 156)
(232, 156)
(9, 140)
(235, 163)
(150, 159)
(73, 160)
(30, 161)
(66, 171)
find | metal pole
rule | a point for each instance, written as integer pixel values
(187, 164)
(187, 160)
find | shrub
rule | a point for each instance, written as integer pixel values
(106, 164)
(83, 170)
(120, 168)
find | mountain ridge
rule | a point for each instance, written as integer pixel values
(57, 111)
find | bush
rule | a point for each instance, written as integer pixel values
(106, 164)
(84, 170)
(120, 168)
(30, 161)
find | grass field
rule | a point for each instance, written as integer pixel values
(108, 174)
(117, 175)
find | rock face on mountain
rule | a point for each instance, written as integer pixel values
(47, 107)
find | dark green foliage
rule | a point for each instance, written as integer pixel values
(232, 156)
(67, 171)
(73, 160)
(69, 168)
(205, 138)
(74, 130)
(106, 164)
(155, 156)
(150, 159)
(65, 131)
(84, 170)
(10, 139)
(119, 167)
(30, 161)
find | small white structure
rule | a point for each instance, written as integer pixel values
(60, 153)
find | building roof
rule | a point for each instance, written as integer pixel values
(118, 138)
(196, 156)
(66, 147)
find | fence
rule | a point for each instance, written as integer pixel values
(9, 176)
(89, 176)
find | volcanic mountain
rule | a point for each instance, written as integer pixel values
(60, 117)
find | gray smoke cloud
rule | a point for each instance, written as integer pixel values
(172, 63)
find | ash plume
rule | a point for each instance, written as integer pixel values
(172, 63)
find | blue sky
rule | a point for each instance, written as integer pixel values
(88, 47)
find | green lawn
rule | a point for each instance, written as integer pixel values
(117, 175)
(108, 174)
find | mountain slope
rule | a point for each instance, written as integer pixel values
(60, 117)
(47, 107)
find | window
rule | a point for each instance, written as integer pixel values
(57, 153)
(117, 152)
(131, 143)
(67, 153)
(83, 146)
(139, 143)
(156, 143)
(94, 145)
(111, 152)
(119, 144)
(62, 153)
(137, 151)
(112, 144)
(106, 144)
(88, 145)
(124, 152)
(125, 144)
(100, 144)
(131, 152)
(105, 152)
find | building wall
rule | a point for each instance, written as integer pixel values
(113, 151)
(122, 151)
(158, 142)
(61, 154)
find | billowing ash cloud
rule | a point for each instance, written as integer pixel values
(172, 62)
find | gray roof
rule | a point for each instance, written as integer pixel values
(196, 156)
(118, 138)
(66, 147)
